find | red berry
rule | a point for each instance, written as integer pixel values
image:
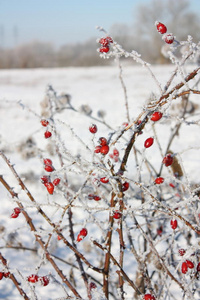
(92, 286)
(50, 188)
(83, 232)
(33, 278)
(149, 142)
(47, 134)
(93, 128)
(45, 179)
(56, 181)
(117, 215)
(168, 160)
(14, 215)
(169, 39)
(115, 152)
(104, 149)
(160, 231)
(97, 149)
(109, 39)
(172, 185)
(189, 264)
(181, 252)
(47, 161)
(184, 268)
(44, 122)
(103, 42)
(159, 180)
(96, 198)
(91, 196)
(174, 224)
(156, 116)
(149, 297)
(161, 27)
(6, 274)
(102, 141)
(198, 267)
(104, 179)
(17, 210)
(1, 275)
(104, 49)
(49, 168)
(125, 186)
(44, 280)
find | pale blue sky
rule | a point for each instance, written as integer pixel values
(63, 21)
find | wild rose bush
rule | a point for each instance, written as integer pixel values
(120, 220)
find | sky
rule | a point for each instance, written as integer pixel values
(63, 21)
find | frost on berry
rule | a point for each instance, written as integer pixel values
(93, 128)
(169, 39)
(161, 27)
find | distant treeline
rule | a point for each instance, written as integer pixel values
(141, 36)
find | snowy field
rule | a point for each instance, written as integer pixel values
(21, 95)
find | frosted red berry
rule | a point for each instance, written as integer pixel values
(149, 142)
(1, 275)
(92, 286)
(161, 27)
(97, 149)
(44, 280)
(159, 180)
(184, 268)
(47, 161)
(96, 198)
(6, 274)
(174, 224)
(169, 39)
(125, 186)
(17, 210)
(105, 41)
(50, 188)
(102, 141)
(156, 116)
(45, 179)
(104, 149)
(47, 134)
(181, 252)
(33, 278)
(104, 49)
(117, 215)
(44, 122)
(149, 297)
(189, 264)
(93, 128)
(14, 215)
(104, 179)
(115, 152)
(82, 234)
(168, 160)
(49, 168)
(56, 181)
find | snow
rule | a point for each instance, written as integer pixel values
(21, 94)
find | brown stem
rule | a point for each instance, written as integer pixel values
(14, 280)
(117, 264)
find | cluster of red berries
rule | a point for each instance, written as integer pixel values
(149, 297)
(185, 265)
(46, 179)
(44, 280)
(105, 44)
(82, 234)
(103, 148)
(161, 28)
(4, 274)
(114, 155)
(47, 133)
(16, 212)
(94, 197)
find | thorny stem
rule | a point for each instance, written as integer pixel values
(39, 239)
(12, 277)
(117, 264)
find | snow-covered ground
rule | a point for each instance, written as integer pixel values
(21, 95)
